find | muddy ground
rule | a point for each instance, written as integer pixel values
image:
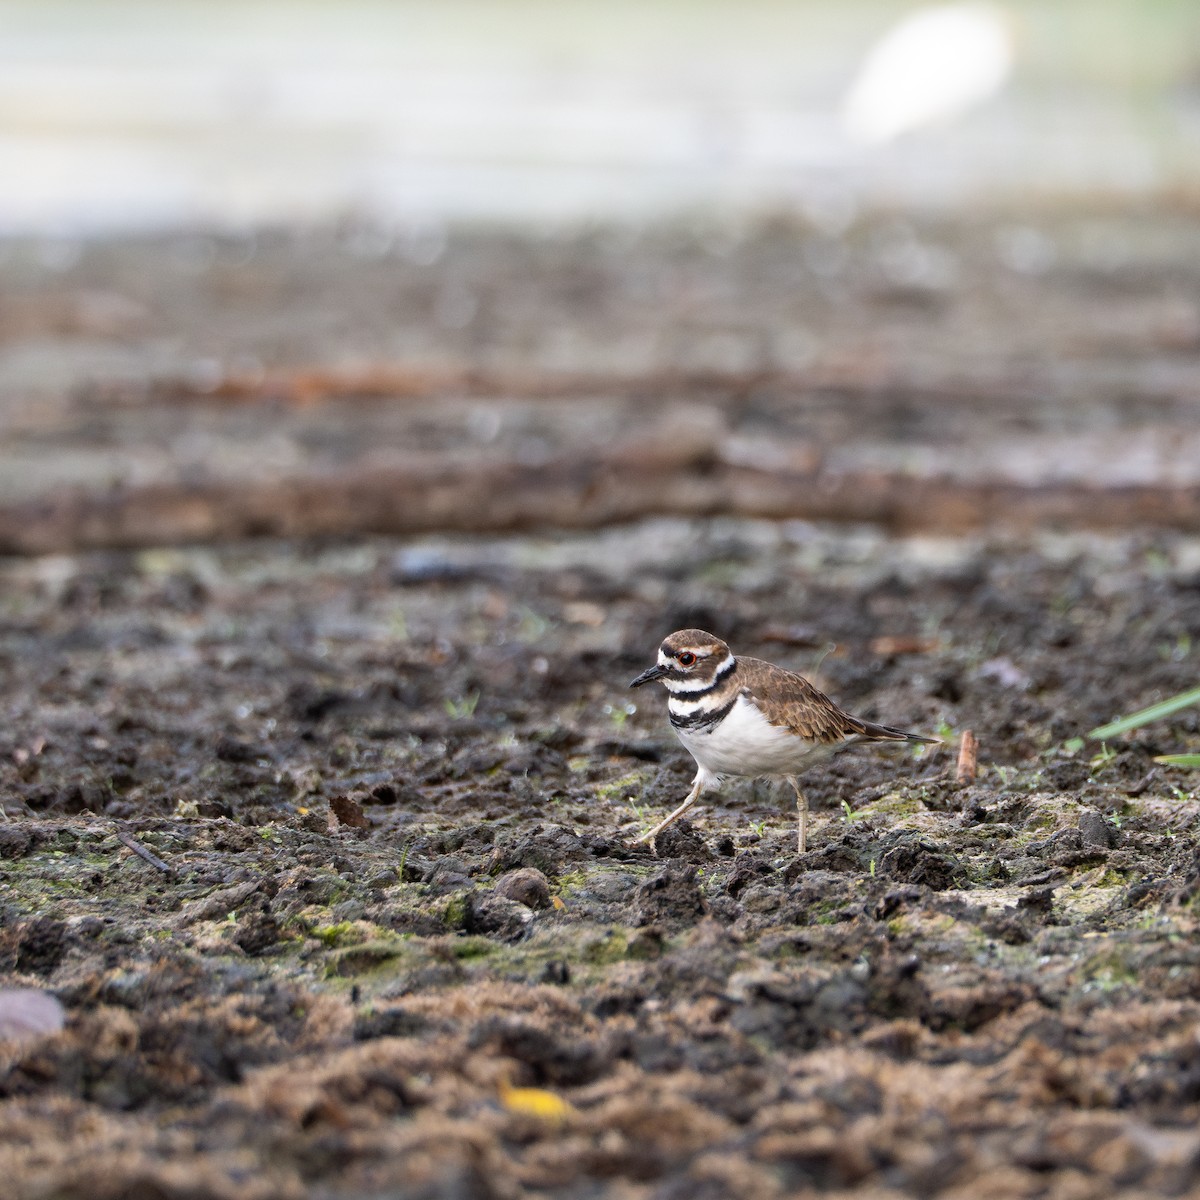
(983, 990)
(393, 785)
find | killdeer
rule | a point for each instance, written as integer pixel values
(743, 716)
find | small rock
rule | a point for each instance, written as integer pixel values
(1041, 878)
(761, 898)
(526, 885)
(1064, 842)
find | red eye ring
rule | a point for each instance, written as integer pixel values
(685, 658)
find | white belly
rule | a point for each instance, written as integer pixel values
(746, 744)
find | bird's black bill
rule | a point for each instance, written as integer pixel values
(655, 672)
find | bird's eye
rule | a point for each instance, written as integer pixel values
(686, 658)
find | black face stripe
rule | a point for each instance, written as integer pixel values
(726, 669)
(705, 718)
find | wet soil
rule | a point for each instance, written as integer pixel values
(950, 374)
(405, 944)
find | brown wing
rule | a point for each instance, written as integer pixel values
(789, 700)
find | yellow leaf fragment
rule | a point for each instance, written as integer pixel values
(535, 1102)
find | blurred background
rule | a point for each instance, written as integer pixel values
(128, 116)
(896, 249)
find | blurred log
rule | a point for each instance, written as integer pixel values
(892, 646)
(316, 386)
(679, 473)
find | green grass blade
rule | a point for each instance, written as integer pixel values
(1136, 720)
(1178, 760)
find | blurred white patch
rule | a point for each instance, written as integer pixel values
(27, 1014)
(935, 64)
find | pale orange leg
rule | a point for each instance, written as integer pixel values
(693, 796)
(802, 814)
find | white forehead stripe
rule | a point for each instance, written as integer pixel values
(665, 658)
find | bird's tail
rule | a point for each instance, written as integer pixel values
(870, 732)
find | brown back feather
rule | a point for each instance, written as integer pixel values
(791, 702)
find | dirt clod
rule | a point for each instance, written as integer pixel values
(544, 848)
(923, 864)
(681, 841)
(1095, 832)
(527, 886)
(496, 916)
(671, 897)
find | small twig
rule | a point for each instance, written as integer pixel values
(127, 839)
(1142, 786)
(968, 755)
(893, 646)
